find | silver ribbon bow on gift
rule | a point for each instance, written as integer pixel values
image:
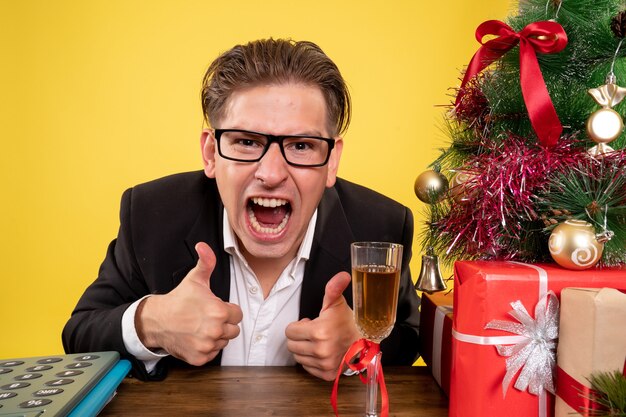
(535, 356)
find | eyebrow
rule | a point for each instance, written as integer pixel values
(304, 133)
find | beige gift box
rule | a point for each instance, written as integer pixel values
(592, 337)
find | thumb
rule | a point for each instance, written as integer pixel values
(205, 266)
(334, 289)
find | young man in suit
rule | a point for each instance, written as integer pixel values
(246, 262)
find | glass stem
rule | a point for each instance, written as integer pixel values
(371, 395)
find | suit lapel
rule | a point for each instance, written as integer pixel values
(208, 228)
(330, 254)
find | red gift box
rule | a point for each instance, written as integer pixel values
(436, 336)
(484, 291)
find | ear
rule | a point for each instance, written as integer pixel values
(207, 143)
(333, 162)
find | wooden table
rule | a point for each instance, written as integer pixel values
(272, 391)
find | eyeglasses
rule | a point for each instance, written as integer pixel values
(298, 150)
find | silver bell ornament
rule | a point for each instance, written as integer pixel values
(430, 279)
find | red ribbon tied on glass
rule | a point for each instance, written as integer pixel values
(545, 37)
(358, 356)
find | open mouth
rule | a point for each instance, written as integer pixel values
(268, 215)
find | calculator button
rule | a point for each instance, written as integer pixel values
(27, 377)
(62, 381)
(5, 395)
(5, 370)
(46, 392)
(49, 360)
(78, 365)
(11, 363)
(15, 385)
(87, 358)
(68, 373)
(35, 403)
(39, 368)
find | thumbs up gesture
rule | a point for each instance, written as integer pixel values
(319, 344)
(189, 322)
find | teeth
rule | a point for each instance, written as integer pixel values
(269, 202)
(269, 230)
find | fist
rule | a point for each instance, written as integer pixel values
(189, 322)
(320, 344)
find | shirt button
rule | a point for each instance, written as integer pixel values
(258, 338)
(253, 290)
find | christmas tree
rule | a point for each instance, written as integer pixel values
(535, 166)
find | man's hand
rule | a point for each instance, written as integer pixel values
(189, 322)
(319, 344)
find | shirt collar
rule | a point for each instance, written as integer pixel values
(231, 245)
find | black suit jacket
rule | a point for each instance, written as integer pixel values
(162, 220)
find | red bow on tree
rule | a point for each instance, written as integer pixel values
(544, 37)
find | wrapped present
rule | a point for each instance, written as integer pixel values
(592, 339)
(505, 328)
(436, 336)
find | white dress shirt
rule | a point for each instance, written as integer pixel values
(262, 339)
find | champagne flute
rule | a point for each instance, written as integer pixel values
(375, 286)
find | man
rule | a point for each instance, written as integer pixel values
(246, 263)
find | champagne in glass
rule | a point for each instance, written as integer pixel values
(375, 292)
(375, 285)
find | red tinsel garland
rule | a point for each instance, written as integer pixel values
(499, 198)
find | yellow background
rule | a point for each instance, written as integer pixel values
(97, 96)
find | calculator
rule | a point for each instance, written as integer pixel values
(60, 385)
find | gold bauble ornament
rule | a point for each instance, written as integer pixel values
(459, 185)
(573, 245)
(430, 186)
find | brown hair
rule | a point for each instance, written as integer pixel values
(275, 61)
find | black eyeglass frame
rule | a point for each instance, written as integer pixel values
(274, 139)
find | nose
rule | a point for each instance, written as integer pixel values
(272, 169)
